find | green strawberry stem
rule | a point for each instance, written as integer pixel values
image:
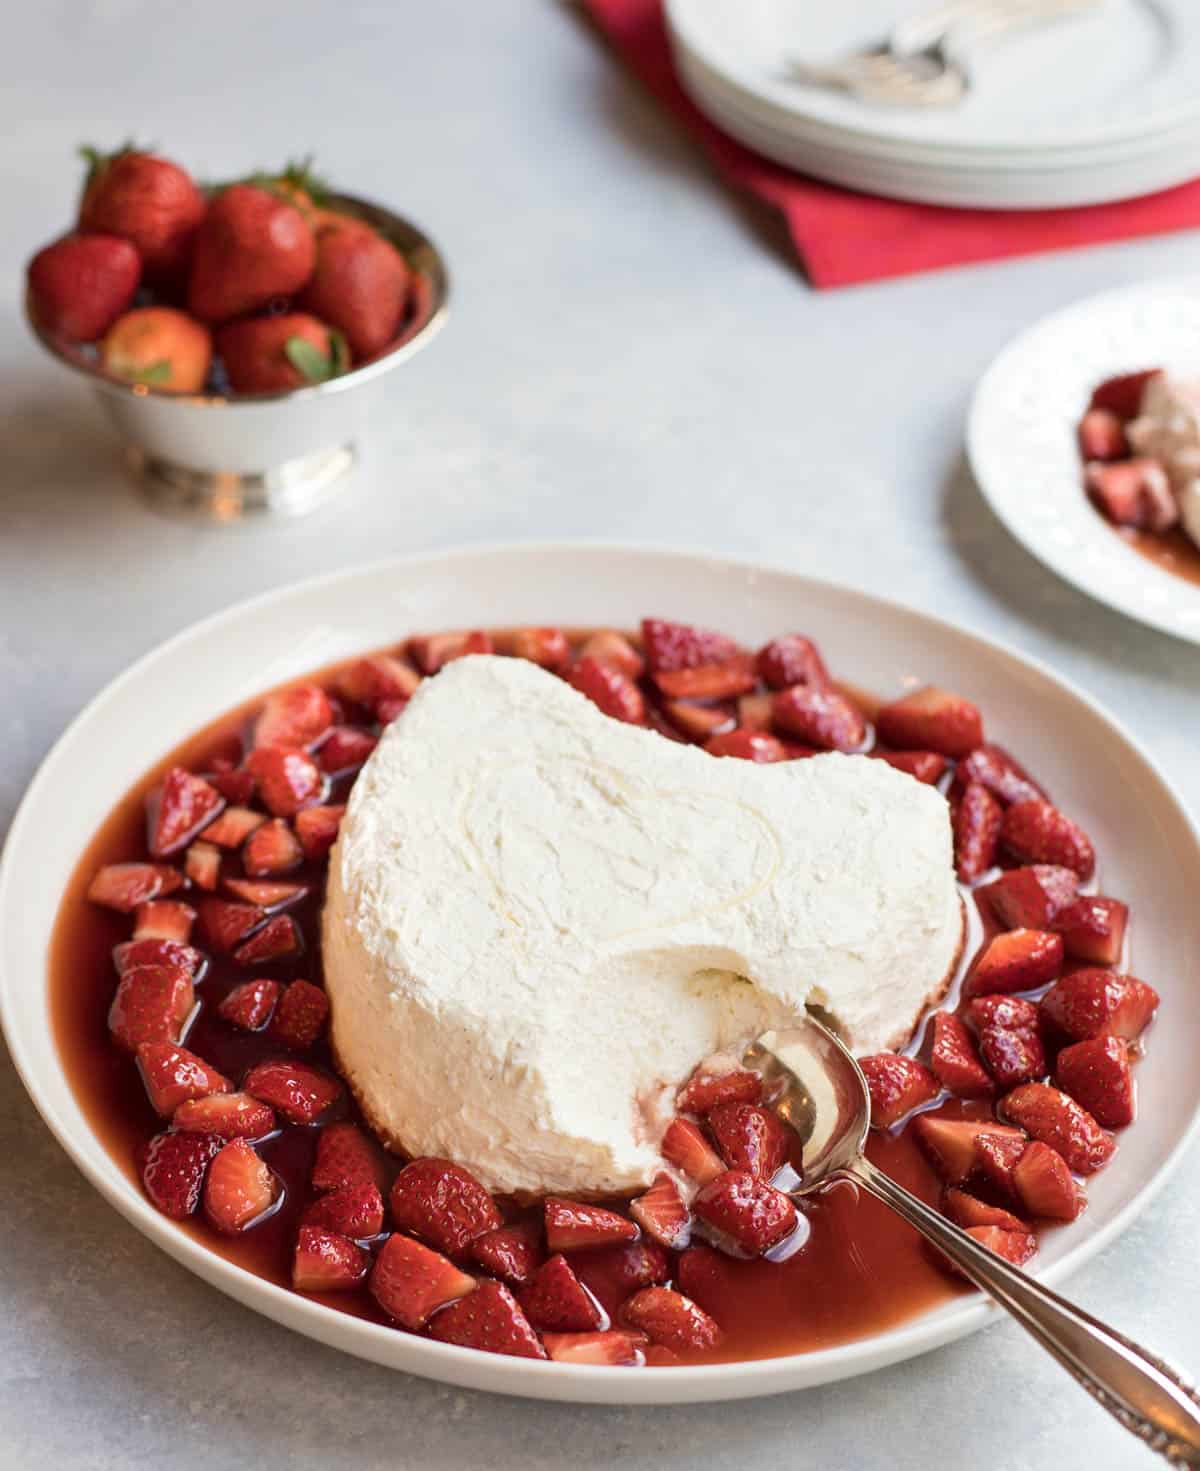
(317, 366)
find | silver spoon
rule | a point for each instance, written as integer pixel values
(823, 1095)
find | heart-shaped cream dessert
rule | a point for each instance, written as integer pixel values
(540, 920)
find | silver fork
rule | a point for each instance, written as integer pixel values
(923, 62)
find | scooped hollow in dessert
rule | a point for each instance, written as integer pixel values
(539, 920)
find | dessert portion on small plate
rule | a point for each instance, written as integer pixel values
(1110, 381)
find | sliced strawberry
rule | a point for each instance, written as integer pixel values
(345, 1156)
(272, 848)
(748, 745)
(434, 651)
(1014, 1246)
(1036, 832)
(790, 660)
(822, 717)
(672, 1320)
(1044, 1186)
(410, 1282)
(1122, 395)
(1047, 1114)
(1017, 960)
(1013, 1055)
(123, 886)
(250, 1005)
(297, 1090)
(931, 719)
(704, 1090)
(490, 1319)
(443, 1204)
(754, 711)
(233, 827)
(545, 646)
(299, 716)
(750, 1138)
(954, 1061)
(671, 646)
(173, 1074)
(1093, 928)
(288, 779)
(698, 722)
(350, 1210)
(1097, 1075)
(926, 766)
(966, 1211)
(1011, 1013)
(202, 864)
(997, 1154)
(324, 1261)
(300, 1016)
(230, 1115)
(1133, 492)
(152, 1004)
(236, 785)
(240, 1188)
(609, 647)
(709, 681)
(1102, 436)
(317, 829)
(617, 1346)
(172, 1167)
(1099, 1003)
(612, 1273)
(897, 1085)
(377, 677)
(226, 924)
(615, 693)
(976, 823)
(345, 748)
(164, 919)
(131, 954)
(1029, 898)
(741, 1211)
(685, 1147)
(555, 1298)
(996, 769)
(512, 1252)
(662, 1214)
(952, 1145)
(266, 893)
(570, 1225)
(178, 810)
(279, 939)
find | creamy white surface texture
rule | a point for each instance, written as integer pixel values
(539, 920)
(1168, 429)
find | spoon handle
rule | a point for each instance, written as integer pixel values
(1150, 1399)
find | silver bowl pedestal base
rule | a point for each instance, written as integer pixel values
(292, 489)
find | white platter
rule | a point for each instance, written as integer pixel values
(1022, 447)
(1099, 776)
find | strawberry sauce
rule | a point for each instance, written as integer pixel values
(1173, 551)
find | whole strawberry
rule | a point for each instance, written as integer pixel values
(81, 284)
(360, 284)
(272, 354)
(149, 201)
(251, 248)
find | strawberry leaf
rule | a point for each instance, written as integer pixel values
(339, 351)
(310, 361)
(158, 372)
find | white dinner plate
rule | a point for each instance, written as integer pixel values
(1150, 852)
(1023, 451)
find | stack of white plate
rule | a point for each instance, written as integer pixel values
(1096, 108)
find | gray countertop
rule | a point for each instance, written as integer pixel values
(631, 354)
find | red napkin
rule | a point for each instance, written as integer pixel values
(843, 237)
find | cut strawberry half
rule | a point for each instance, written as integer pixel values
(299, 716)
(1013, 1055)
(179, 810)
(164, 919)
(744, 1213)
(821, 717)
(432, 652)
(954, 1061)
(996, 769)
(614, 649)
(345, 1156)
(240, 1188)
(345, 748)
(1014, 1246)
(317, 829)
(897, 1085)
(952, 1145)
(570, 1225)
(288, 779)
(697, 722)
(748, 745)
(612, 1273)
(709, 681)
(790, 660)
(225, 924)
(410, 1282)
(172, 1075)
(123, 886)
(1017, 960)
(1102, 436)
(1044, 1186)
(685, 1147)
(266, 894)
(998, 1153)
(1099, 1003)
(671, 1320)
(377, 677)
(443, 1204)
(131, 954)
(300, 1016)
(512, 1252)
(750, 1138)
(202, 864)
(271, 849)
(1122, 395)
(548, 647)
(354, 1210)
(1133, 492)
(1097, 1075)
(926, 766)
(967, 1211)
(279, 939)
(230, 1115)
(754, 711)
(931, 719)
(1048, 1114)
(670, 646)
(324, 1261)
(662, 1214)
(613, 692)
(615, 1347)
(233, 827)
(704, 1090)
(1036, 832)
(236, 785)
(490, 1318)
(152, 1004)
(976, 821)
(1030, 898)
(554, 1298)
(297, 1090)
(1011, 1013)
(172, 1167)
(1093, 928)
(250, 1005)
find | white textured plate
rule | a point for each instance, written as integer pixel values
(1022, 447)
(1151, 853)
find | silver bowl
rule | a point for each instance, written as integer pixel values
(223, 457)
